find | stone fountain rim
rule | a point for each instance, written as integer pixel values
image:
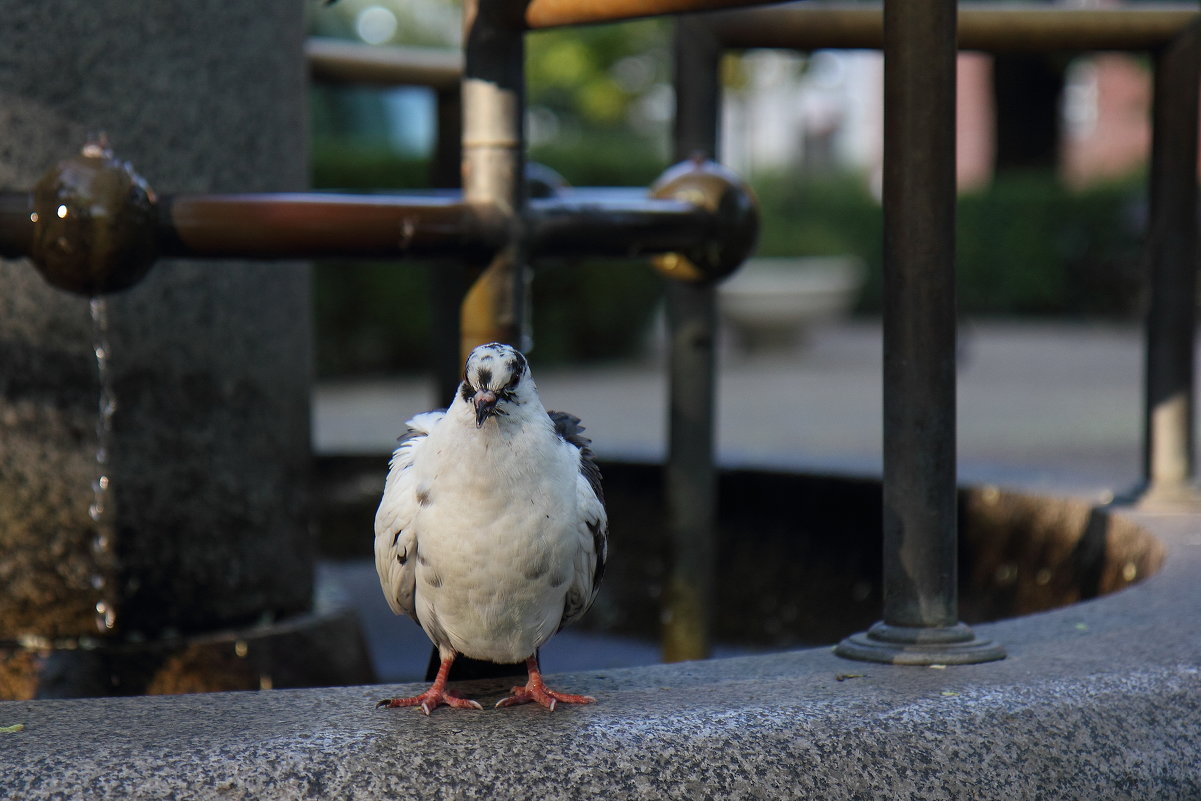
(1101, 699)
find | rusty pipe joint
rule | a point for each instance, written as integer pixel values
(735, 211)
(94, 223)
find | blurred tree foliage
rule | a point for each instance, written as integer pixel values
(1026, 245)
(600, 107)
(600, 101)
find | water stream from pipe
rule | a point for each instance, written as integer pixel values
(102, 510)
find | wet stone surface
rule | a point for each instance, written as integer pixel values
(206, 519)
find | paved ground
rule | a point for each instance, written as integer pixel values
(1056, 406)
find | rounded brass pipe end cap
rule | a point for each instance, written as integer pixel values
(735, 228)
(94, 223)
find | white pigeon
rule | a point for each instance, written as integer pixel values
(492, 532)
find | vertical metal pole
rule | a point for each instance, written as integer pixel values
(493, 120)
(920, 522)
(1168, 461)
(691, 479)
(921, 607)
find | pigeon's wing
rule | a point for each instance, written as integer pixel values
(395, 536)
(592, 527)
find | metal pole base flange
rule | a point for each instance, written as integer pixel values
(910, 645)
(1162, 497)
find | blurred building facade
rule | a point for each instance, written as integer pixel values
(825, 112)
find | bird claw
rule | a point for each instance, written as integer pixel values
(543, 695)
(429, 701)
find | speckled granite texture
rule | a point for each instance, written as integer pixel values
(1100, 701)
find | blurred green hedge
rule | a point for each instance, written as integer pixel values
(1026, 246)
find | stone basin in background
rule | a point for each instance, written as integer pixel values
(770, 303)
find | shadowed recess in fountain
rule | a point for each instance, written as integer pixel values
(800, 554)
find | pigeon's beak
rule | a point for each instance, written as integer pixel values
(485, 406)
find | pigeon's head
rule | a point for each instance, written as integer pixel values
(495, 380)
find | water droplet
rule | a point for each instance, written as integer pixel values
(102, 511)
(63, 211)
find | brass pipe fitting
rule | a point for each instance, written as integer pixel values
(94, 223)
(732, 238)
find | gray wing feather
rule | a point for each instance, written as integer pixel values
(593, 528)
(396, 539)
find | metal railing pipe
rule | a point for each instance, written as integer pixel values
(990, 27)
(337, 61)
(562, 13)
(921, 610)
(1171, 253)
(633, 228)
(282, 226)
(581, 222)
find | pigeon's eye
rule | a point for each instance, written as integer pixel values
(513, 381)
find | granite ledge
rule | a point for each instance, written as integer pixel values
(1100, 700)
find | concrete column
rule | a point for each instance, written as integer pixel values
(210, 361)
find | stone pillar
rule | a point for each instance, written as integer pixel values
(210, 361)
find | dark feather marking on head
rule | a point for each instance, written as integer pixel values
(517, 366)
(568, 427)
(465, 391)
(485, 377)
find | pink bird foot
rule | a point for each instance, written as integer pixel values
(435, 696)
(536, 690)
